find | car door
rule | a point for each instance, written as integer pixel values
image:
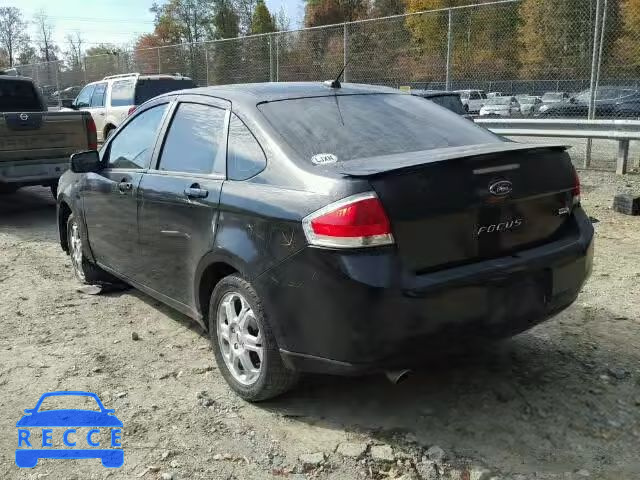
(97, 109)
(110, 195)
(180, 196)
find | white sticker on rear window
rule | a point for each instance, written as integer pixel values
(324, 159)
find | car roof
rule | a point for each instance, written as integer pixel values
(273, 91)
(434, 93)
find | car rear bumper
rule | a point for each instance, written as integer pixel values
(354, 313)
(33, 172)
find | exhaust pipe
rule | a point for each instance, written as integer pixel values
(397, 376)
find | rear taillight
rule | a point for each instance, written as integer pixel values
(92, 134)
(131, 110)
(575, 192)
(356, 221)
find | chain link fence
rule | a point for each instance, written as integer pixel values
(588, 49)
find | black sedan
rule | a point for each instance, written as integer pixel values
(315, 227)
(610, 102)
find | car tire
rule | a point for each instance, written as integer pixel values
(108, 133)
(85, 271)
(272, 378)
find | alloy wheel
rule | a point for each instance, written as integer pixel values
(76, 250)
(240, 338)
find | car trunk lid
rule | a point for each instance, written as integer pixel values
(456, 205)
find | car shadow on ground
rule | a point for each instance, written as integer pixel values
(29, 213)
(537, 402)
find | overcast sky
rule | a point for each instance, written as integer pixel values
(112, 21)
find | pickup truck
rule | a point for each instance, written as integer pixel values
(35, 144)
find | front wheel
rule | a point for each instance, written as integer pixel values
(243, 343)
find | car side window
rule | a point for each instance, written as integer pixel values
(122, 93)
(97, 99)
(245, 157)
(133, 145)
(195, 140)
(475, 96)
(83, 99)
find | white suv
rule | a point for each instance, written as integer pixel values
(113, 98)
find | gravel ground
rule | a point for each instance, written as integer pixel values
(559, 402)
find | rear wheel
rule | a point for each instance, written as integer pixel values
(84, 270)
(243, 343)
(108, 132)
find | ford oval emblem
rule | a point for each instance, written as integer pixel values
(24, 117)
(500, 188)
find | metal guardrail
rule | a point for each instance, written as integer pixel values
(623, 131)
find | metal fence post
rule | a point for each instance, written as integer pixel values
(345, 51)
(58, 84)
(592, 91)
(449, 40)
(159, 69)
(206, 63)
(84, 62)
(270, 60)
(277, 57)
(623, 157)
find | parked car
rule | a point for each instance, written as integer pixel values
(113, 98)
(335, 229)
(35, 144)
(610, 102)
(529, 104)
(69, 93)
(500, 106)
(472, 100)
(449, 100)
(495, 94)
(555, 97)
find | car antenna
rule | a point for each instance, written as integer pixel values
(336, 83)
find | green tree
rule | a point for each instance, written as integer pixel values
(262, 21)
(224, 57)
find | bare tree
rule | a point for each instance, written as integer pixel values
(74, 53)
(245, 10)
(44, 28)
(13, 35)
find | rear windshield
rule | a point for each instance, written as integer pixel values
(450, 102)
(146, 89)
(18, 96)
(347, 127)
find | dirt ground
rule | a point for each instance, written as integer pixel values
(559, 402)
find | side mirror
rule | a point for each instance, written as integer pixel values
(67, 103)
(84, 162)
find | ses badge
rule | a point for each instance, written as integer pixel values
(69, 433)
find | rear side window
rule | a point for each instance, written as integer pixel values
(97, 99)
(195, 140)
(122, 93)
(133, 145)
(148, 88)
(245, 157)
(450, 102)
(18, 96)
(84, 98)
